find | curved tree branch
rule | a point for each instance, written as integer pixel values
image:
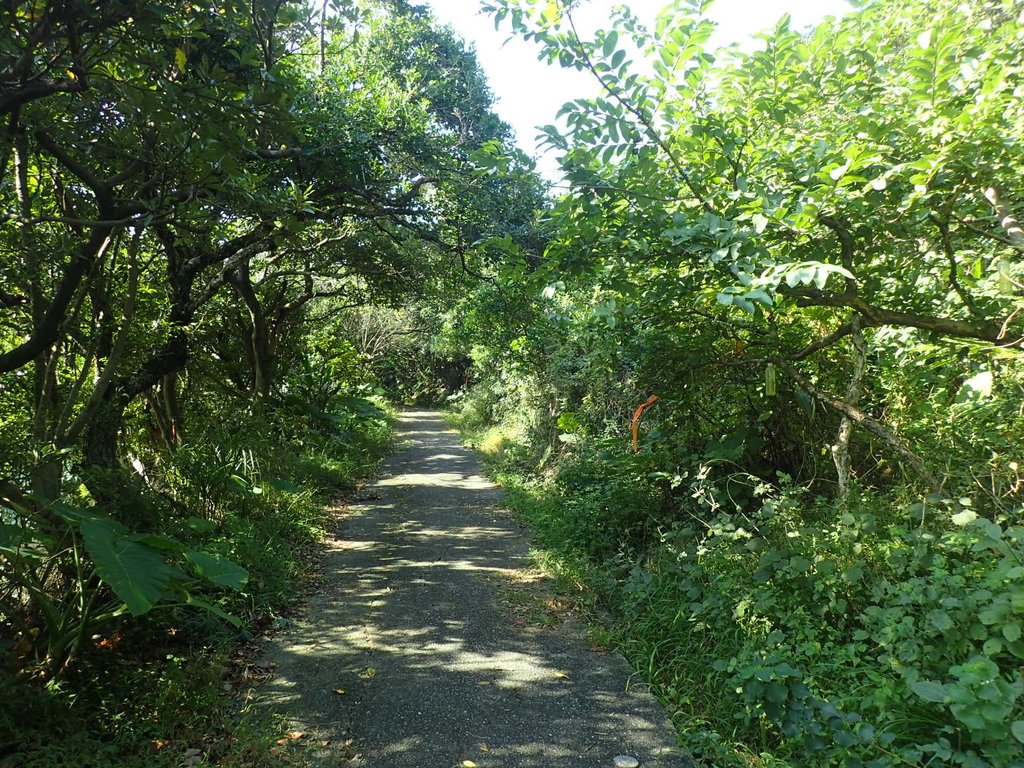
(867, 421)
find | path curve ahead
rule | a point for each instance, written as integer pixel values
(435, 667)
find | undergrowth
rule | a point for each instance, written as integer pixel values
(779, 627)
(172, 688)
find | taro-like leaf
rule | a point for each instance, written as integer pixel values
(217, 570)
(136, 572)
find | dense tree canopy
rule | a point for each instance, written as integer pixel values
(197, 202)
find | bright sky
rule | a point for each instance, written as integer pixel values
(530, 93)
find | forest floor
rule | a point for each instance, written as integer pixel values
(432, 642)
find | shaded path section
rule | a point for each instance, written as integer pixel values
(434, 670)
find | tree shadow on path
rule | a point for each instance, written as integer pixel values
(408, 653)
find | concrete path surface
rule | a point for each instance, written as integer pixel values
(408, 657)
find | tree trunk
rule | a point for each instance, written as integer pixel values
(258, 341)
(114, 489)
(841, 448)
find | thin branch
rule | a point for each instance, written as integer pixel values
(868, 422)
(969, 224)
(954, 267)
(117, 350)
(91, 180)
(274, 154)
(816, 346)
(841, 448)
(841, 229)
(12, 99)
(72, 221)
(878, 316)
(8, 300)
(47, 330)
(695, 189)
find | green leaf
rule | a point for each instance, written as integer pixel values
(1017, 729)
(283, 485)
(10, 536)
(800, 564)
(1012, 631)
(216, 610)
(239, 483)
(758, 295)
(157, 541)
(610, 41)
(218, 570)
(201, 525)
(929, 691)
(853, 573)
(136, 573)
(992, 646)
(965, 517)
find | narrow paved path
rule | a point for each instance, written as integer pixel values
(433, 666)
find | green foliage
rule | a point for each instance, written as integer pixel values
(159, 712)
(789, 625)
(260, 514)
(806, 249)
(193, 198)
(97, 554)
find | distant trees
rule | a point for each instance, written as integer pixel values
(193, 195)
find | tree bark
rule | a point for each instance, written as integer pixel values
(1007, 220)
(258, 341)
(873, 316)
(841, 448)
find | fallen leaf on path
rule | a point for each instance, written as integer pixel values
(468, 764)
(562, 675)
(484, 748)
(339, 691)
(369, 672)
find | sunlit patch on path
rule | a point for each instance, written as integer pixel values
(409, 657)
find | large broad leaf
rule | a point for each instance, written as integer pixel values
(218, 570)
(283, 485)
(361, 407)
(137, 573)
(1017, 729)
(206, 605)
(929, 690)
(76, 515)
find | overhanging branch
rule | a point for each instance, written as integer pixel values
(867, 421)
